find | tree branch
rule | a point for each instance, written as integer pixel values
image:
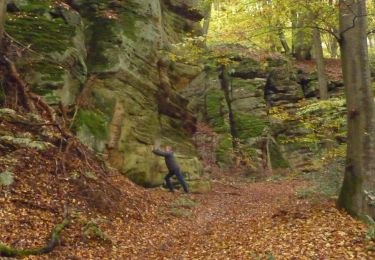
(52, 243)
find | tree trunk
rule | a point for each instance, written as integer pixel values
(283, 41)
(333, 46)
(225, 86)
(3, 9)
(293, 16)
(302, 38)
(319, 56)
(358, 190)
(207, 20)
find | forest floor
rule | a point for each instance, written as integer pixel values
(240, 220)
(236, 220)
(111, 218)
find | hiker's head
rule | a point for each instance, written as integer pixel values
(168, 148)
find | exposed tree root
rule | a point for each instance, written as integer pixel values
(22, 87)
(52, 243)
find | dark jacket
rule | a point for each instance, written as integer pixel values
(170, 160)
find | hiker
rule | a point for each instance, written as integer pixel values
(172, 166)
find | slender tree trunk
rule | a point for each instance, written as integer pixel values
(333, 45)
(294, 29)
(319, 57)
(225, 86)
(3, 9)
(283, 41)
(207, 20)
(302, 38)
(358, 190)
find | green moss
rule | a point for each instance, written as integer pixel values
(141, 178)
(92, 231)
(277, 158)
(224, 151)
(177, 212)
(37, 6)
(51, 78)
(249, 126)
(2, 95)
(249, 151)
(107, 34)
(48, 95)
(50, 72)
(103, 102)
(174, 23)
(238, 83)
(199, 186)
(247, 67)
(128, 19)
(41, 91)
(45, 35)
(95, 121)
(216, 110)
(101, 37)
(184, 203)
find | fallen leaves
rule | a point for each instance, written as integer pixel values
(237, 220)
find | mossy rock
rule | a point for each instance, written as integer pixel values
(146, 179)
(190, 166)
(109, 37)
(199, 186)
(25, 143)
(224, 150)
(249, 126)
(45, 35)
(277, 158)
(216, 109)
(141, 166)
(247, 87)
(92, 128)
(184, 202)
(39, 24)
(247, 69)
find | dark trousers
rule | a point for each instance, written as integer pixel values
(180, 179)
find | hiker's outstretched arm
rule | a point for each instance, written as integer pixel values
(160, 153)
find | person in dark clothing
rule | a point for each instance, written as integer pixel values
(173, 168)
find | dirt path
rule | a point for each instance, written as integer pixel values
(242, 221)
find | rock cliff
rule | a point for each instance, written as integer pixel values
(103, 64)
(251, 102)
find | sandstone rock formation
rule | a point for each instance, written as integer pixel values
(104, 63)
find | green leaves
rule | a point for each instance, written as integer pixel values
(258, 24)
